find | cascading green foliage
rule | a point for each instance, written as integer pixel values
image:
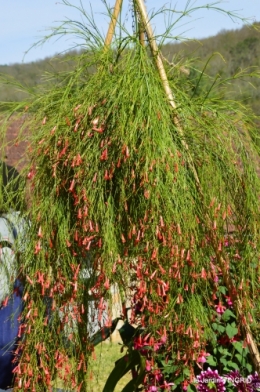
(112, 194)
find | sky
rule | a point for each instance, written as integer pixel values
(25, 22)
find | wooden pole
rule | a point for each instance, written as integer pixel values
(141, 34)
(155, 51)
(140, 27)
(221, 261)
(112, 25)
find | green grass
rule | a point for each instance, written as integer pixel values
(101, 367)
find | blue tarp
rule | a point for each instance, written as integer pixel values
(9, 327)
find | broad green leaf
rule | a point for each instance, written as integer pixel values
(211, 361)
(227, 314)
(218, 327)
(226, 353)
(249, 367)
(239, 357)
(179, 379)
(224, 361)
(222, 289)
(231, 331)
(238, 346)
(191, 388)
(233, 365)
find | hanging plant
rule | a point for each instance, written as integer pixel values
(132, 182)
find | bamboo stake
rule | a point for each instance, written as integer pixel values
(140, 27)
(112, 26)
(141, 35)
(222, 262)
(155, 51)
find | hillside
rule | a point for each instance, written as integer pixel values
(229, 52)
(33, 74)
(230, 55)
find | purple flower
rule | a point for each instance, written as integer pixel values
(242, 384)
(238, 381)
(210, 381)
(254, 382)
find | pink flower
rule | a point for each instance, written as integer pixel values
(202, 357)
(157, 346)
(229, 301)
(185, 385)
(141, 345)
(163, 339)
(220, 308)
(152, 388)
(148, 366)
(158, 375)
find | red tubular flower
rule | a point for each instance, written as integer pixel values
(40, 232)
(106, 284)
(72, 185)
(104, 155)
(106, 176)
(37, 247)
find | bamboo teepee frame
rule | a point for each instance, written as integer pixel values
(222, 262)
